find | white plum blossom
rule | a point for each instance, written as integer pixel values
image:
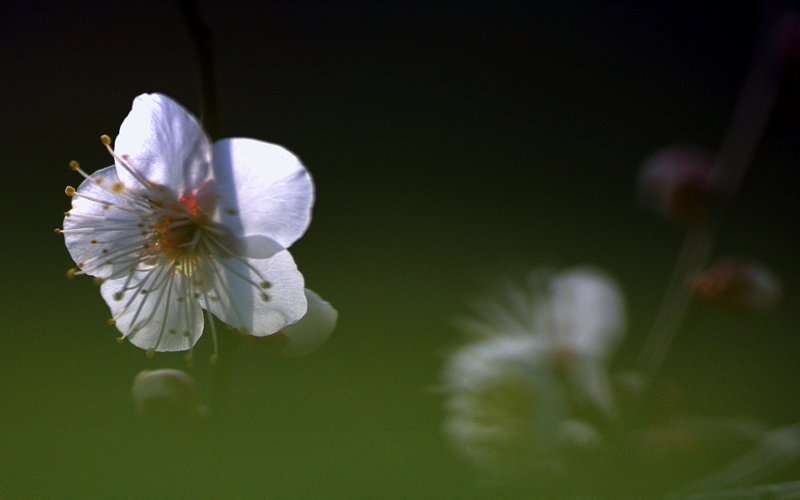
(179, 225)
(519, 393)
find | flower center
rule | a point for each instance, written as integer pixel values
(178, 229)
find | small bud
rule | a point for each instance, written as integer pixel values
(678, 183)
(167, 397)
(739, 285)
(303, 337)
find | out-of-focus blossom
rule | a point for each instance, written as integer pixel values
(504, 404)
(167, 397)
(678, 183)
(535, 381)
(739, 285)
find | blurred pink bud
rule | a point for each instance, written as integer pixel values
(678, 183)
(168, 397)
(738, 284)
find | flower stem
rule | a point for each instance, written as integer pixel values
(754, 106)
(201, 39)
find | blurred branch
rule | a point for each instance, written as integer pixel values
(202, 41)
(753, 109)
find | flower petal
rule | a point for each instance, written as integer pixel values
(233, 292)
(312, 330)
(164, 144)
(155, 309)
(263, 188)
(104, 239)
(588, 312)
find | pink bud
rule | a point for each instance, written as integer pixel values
(677, 182)
(738, 284)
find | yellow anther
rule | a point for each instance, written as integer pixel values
(71, 273)
(69, 191)
(118, 187)
(120, 339)
(213, 359)
(150, 352)
(106, 140)
(74, 165)
(112, 322)
(98, 281)
(57, 230)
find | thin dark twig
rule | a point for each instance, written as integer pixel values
(203, 47)
(747, 125)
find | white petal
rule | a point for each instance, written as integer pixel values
(156, 309)
(588, 312)
(102, 239)
(263, 188)
(233, 292)
(163, 143)
(312, 330)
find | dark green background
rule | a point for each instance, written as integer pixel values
(451, 142)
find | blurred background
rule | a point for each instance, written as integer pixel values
(452, 143)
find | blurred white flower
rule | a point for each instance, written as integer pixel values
(518, 393)
(179, 225)
(580, 310)
(504, 404)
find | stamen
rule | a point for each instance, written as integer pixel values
(121, 339)
(76, 167)
(106, 140)
(150, 353)
(214, 356)
(107, 204)
(160, 300)
(240, 259)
